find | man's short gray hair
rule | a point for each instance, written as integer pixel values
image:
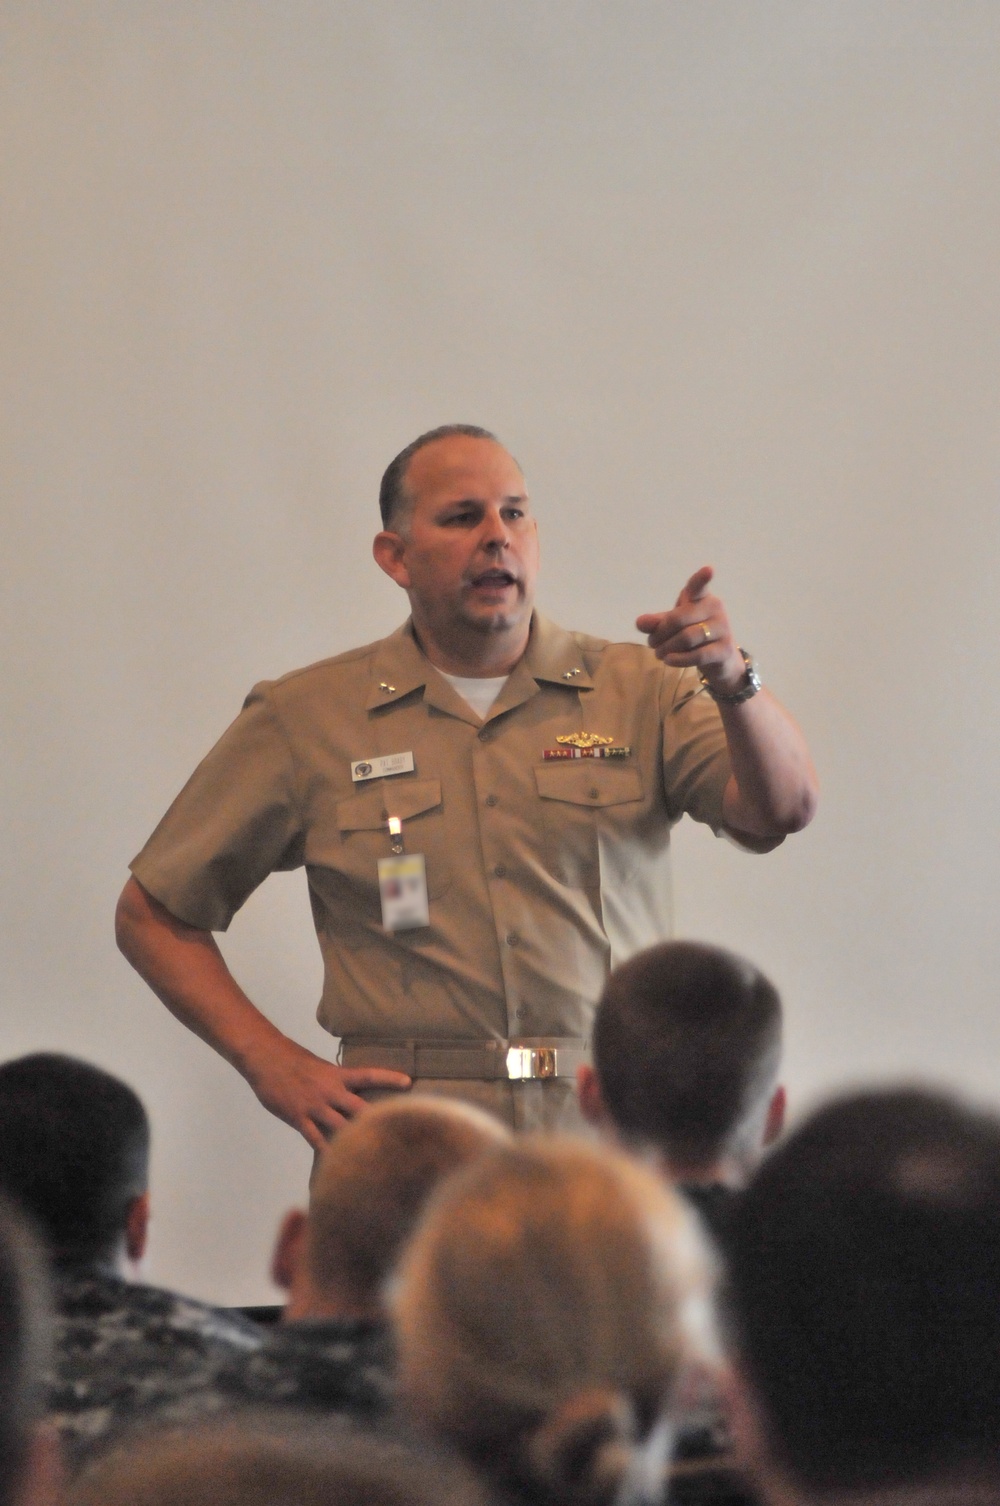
(393, 498)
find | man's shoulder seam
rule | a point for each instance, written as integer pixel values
(599, 647)
(320, 666)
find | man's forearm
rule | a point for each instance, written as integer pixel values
(774, 789)
(184, 967)
(187, 972)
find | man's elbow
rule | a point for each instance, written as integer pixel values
(809, 804)
(797, 815)
(770, 821)
(128, 918)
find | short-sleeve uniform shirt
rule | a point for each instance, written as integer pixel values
(541, 873)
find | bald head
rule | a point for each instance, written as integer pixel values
(370, 1189)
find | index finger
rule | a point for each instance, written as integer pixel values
(696, 587)
(375, 1077)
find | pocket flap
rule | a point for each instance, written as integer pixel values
(372, 808)
(589, 782)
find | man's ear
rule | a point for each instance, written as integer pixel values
(588, 1092)
(389, 550)
(290, 1248)
(775, 1115)
(137, 1227)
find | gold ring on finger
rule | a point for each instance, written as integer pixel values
(707, 631)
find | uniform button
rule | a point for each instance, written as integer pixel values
(485, 734)
(385, 814)
(520, 1012)
(513, 939)
(500, 871)
(594, 794)
(492, 800)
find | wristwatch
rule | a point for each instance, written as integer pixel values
(736, 697)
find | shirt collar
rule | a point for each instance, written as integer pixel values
(554, 655)
(400, 668)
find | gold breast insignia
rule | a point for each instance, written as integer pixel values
(586, 745)
(585, 740)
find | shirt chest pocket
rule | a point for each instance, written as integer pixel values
(579, 798)
(362, 819)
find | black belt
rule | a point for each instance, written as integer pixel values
(527, 1057)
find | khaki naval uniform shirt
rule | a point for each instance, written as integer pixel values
(541, 875)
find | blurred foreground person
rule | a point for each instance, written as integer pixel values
(547, 1311)
(333, 1348)
(29, 1469)
(865, 1297)
(74, 1153)
(256, 1463)
(687, 1051)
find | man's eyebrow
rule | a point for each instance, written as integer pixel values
(478, 501)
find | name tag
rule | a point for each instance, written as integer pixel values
(402, 884)
(382, 768)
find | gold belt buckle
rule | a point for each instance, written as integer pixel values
(531, 1061)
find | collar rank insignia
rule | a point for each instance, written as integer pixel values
(586, 745)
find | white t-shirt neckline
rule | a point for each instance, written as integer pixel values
(477, 693)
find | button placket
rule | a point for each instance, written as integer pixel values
(495, 815)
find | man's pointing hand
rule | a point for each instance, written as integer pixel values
(696, 632)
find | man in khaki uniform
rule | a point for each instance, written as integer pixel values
(535, 772)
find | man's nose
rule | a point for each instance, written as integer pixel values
(496, 533)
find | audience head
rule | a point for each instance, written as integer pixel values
(369, 1189)
(24, 1350)
(864, 1287)
(687, 1049)
(261, 1461)
(545, 1311)
(74, 1153)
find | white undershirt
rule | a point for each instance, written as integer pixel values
(479, 694)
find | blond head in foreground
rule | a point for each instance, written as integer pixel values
(547, 1307)
(368, 1192)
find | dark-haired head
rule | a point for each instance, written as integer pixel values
(864, 1295)
(687, 1048)
(74, 1152)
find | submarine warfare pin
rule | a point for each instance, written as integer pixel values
(586, 745)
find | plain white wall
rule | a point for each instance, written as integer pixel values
(723, 273)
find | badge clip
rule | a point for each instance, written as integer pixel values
(396, 835)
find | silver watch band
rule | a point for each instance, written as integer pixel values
(736, 697)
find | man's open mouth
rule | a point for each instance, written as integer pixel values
(494, 578)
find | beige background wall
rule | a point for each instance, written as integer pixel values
(724, 274)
